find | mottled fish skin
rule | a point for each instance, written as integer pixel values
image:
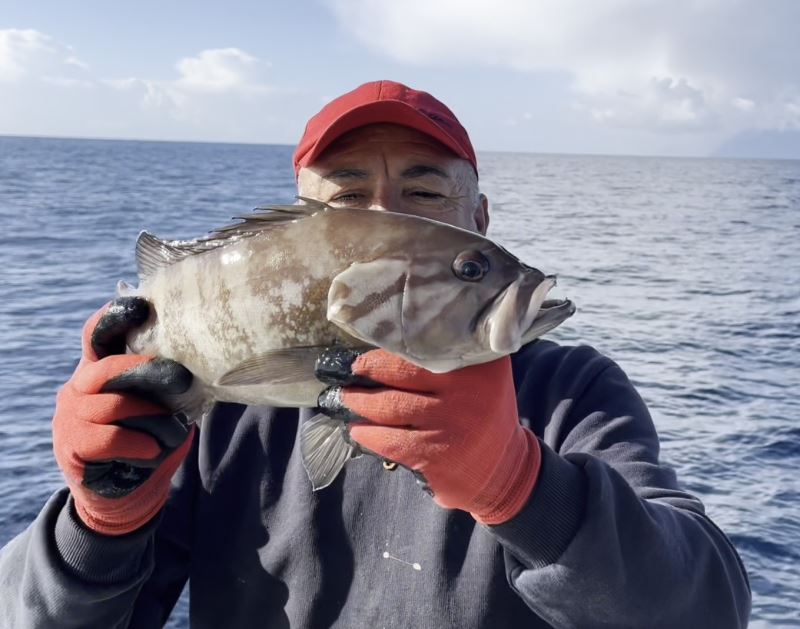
(318, 276)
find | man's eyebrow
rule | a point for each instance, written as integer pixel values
(423, 171)
(346, 173)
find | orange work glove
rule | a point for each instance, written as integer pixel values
(115, 442)
(459, 430)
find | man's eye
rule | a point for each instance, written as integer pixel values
(347, 197)
(426, 195)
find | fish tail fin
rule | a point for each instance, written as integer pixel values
(325, 447)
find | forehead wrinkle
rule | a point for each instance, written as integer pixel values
(417, 171)
(346, 174)
(423, 170)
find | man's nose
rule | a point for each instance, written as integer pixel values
(384, 199)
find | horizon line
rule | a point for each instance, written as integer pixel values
(292, 146)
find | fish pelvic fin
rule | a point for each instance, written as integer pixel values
(325, 447)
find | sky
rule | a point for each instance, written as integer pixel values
(633, 77)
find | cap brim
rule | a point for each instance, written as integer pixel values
(384, 111)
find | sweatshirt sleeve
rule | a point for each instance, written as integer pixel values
(608, 538)
(59, 574)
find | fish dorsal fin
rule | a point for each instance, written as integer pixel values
(152, 253)
(266, 217)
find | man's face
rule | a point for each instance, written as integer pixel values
(388, 167)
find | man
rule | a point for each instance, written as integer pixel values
(549, 506)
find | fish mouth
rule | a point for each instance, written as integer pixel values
(541, 314)
(551, 314)
(522, 313)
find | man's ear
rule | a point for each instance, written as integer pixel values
(481, 215)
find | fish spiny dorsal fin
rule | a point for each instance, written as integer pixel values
(265, 217)
(152, 253)
(314, 203)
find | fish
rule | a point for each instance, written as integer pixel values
(251, 307)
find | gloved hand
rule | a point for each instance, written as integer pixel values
(116, 443)
(459, 430)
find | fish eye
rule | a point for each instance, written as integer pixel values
(470, 266)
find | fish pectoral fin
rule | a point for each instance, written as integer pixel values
(325, 447)
(281, 366)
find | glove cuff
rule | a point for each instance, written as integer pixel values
(107, 518)
(512, 481)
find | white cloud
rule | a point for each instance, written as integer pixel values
(793, 115)
(217, 94)
(658, 104)
(152, 95)
(221, 69)
(689, 64)
(62, 81)
(214, 74)
(27, 54)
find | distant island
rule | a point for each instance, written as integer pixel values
(762, 144)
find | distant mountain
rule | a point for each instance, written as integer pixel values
(761, 144)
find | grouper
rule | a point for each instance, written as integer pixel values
(250, 308)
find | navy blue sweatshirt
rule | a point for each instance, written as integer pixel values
(607, 539)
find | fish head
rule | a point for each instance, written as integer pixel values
(484, 304)
(453, 299)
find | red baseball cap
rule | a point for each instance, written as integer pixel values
(383, 101)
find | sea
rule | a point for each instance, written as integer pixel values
(684, 271)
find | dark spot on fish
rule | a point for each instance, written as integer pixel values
(384, 329)
(343, 291)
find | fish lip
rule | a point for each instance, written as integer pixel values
(554, 304)
(550, 314)
(520, 313)
(541, 314)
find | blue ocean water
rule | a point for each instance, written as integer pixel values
(684, 271)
